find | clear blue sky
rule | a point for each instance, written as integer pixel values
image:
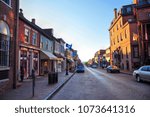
(83, 23)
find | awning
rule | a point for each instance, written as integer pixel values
(47, 55)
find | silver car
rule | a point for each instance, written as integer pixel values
(142, 73)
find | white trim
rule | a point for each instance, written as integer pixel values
(26, 26)
(4, 68)
(9, 5)
(34, 30)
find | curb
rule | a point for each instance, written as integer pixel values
(58, 88)
(126, 73)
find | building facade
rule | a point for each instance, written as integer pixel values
(29, 46)
(59, 52)
(107, 56)
(142, 13)
(124, 46)
(8, 43)
(129, 36)
(47, 58)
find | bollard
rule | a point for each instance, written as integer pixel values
(33, 82)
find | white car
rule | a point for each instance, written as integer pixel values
(143, 73)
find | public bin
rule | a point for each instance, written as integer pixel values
(52, 77)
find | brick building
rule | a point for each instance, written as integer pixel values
(130, 35)
(29, 45)
(124, 45)
(8, 43)
(142, 13)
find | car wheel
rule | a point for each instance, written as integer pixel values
(138, 79)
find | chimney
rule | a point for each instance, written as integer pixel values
(21, 12)
(33, 20)
(115, 13)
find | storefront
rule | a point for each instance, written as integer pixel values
(29, 59)
(48, 62)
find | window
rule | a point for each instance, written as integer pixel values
(4, 44)
(118, 38)
(121, 37)
(148, 69)
(7, 2)
(125, 34)
(117, 27)
(129, 10)
(135, 52)
(120, 23)
(27, 35)
(4, 50)
(34, 38)
(126, 52)
(23, 53)
(144, 68)
(114, 42)
(46, 45)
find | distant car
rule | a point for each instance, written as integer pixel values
(80, 68)
(113, 69)
(94, 66)
(143, 73)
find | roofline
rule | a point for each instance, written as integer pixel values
(36, 27)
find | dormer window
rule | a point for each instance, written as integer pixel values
(8, 2)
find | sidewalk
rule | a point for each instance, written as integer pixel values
(42, 89)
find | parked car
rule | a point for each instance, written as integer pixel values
(80, 68)
(94, 66)
(143, 73)
(112, 69)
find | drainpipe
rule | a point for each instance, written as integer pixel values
(15, 57)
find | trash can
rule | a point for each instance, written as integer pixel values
(52, 77)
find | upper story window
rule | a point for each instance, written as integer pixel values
(135, 52)
(121, 37)
(125, 34)
(129, 9)
(27, 35)
(46, 45)
(34, 38)
(117, 27)
(118, 38)
(8, 2)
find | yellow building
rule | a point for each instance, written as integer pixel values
(123, 44)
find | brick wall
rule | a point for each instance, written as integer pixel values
(8, 15)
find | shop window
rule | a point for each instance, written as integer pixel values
(4, 44)
(23, 53)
